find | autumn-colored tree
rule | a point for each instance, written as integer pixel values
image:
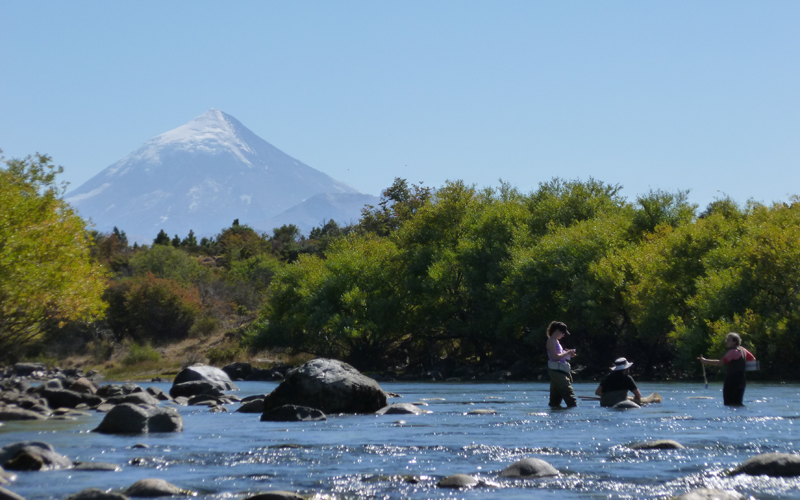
(46, 271)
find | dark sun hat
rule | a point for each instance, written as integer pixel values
(621, 364)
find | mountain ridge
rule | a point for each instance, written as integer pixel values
(200, 176)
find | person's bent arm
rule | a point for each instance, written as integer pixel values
(599, 390)
(551, 348)
(637, 396)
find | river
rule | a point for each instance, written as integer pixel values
(233, 455)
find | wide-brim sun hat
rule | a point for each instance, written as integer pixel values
(621, 364)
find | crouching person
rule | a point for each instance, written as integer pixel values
(614, 388)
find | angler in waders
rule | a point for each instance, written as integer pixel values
(735, 361)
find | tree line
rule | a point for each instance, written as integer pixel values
(457, 272)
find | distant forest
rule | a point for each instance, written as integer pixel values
(456, 272)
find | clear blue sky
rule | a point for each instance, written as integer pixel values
(664, 95)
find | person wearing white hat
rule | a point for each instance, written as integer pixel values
(614, 388)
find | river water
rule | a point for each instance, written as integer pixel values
(234, 455)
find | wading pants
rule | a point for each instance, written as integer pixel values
(561, 388)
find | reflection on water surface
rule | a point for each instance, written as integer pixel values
(232, 455)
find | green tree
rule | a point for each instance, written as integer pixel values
(152, 309)
(162, 238)
(398, 203)
(46, 272)
(347, 306)
(168, 262)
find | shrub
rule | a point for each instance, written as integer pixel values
(203, 326)
(140, 354)
(150, 308)
(225, 353)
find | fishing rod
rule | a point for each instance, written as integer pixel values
(704, 374)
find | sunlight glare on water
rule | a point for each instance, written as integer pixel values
(234, 455)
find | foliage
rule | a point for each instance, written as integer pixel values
(46, 271)
(398, 203)
(346, 306)
(226, 352)
(140, 354)
(151, 308)
(168, 262)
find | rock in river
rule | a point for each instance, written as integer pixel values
(709, 494)
(206, 374)
(129, 418)
(529, 468)
(32, 455)
(154, 488)
(293, 413)
(458, 481)
(330, 386)
(401, 409)
(660, 444)
(770, 464)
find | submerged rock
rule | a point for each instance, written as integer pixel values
(626, 405)
(770, 464)
(96, 466)
(529, 468)
(151, 488)
(276, 495)
(293, 413)
(710, 494)
(660, 444)
(96, 494)
(129, 418)
(329, 385)
(401, 409)
(458, 481)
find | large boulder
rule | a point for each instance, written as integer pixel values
(770, 464)
(205, 373)
(293, 413)
(529, 468)
(32, 455)
(330, 386)
(129, 418)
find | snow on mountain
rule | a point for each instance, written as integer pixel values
(200, 176)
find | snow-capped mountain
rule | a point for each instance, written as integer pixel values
(200, 176)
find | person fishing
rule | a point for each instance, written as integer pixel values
(558, 367)
(614, 388)
(735, 362)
